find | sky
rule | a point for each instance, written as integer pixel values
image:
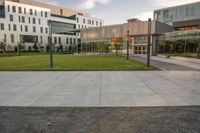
(118, 11)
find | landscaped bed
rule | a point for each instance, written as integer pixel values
(70, 63)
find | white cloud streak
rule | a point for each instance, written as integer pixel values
(89, 4)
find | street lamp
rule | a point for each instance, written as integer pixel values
(149, 43)
(198, 51)
(128, 39)
(50, 44)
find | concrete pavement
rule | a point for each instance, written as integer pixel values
(100, 89)
(169, 64)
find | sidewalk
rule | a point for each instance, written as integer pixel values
(178, 62)
(165, 63)
(100, 89)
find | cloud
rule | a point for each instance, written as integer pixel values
(168, 3)
(145, 16)
(52, 2)
(89, 4)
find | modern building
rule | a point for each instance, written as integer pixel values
(186, 22)
(27, 22)
(113, 38)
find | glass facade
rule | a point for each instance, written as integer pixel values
(28, 39)
(179, 42)
(63, 28)
(109, 45)
(180, 13)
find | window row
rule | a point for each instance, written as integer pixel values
(24, 38)
(90, 22)
(22, 19)
(25, 11)
(57, 40)
(23, 28)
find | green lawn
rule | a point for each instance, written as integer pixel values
(69, 63)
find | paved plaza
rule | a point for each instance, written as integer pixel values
(100, 89)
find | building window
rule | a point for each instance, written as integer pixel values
(97, 23)
(35, 13)
(19, 18)
(28, 39)
(67, 40)
(41, 13)
(77, 19)
(26, 28)
(2, 26)
(24, 10)
(59, 40)
(41, 40)
(84, 21)
(11, 18)
(29, 20)
(9, 27)
(55, 40)
(71, 41)
(92, 22)
(39, 21)
(21, 28)
(13, 8)
(34, 29)
(12, 37)
(8, 8)
(41, 29)
(46, 14)
(14, 27)
(23, 19)
(31, 11)
(33, 20)
(61, 12)
(20, 10)
(46, 30)
(100, 23)
(74, 41)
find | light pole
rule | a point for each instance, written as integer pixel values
(149, 43)
(198, 51)
(50, 44)
(127, 56)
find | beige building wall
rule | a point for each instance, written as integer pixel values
(135, 28)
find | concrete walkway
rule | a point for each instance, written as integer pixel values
(100, 89)
(169, 64)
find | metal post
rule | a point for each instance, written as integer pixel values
(149, 43)
(50, 44)
(128, 45)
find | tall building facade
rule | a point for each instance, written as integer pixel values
(27, 22)
(186, 22)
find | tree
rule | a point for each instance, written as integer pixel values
(8, 47)
(35, 46)
(61, 47)
(21, 46)
(3, 45)
(71, 49)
